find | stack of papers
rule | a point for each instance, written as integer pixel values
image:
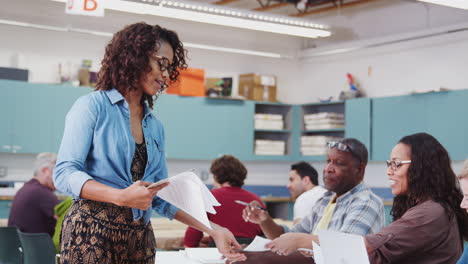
(270, 147)
(204, 255)
(187, 192)
(336, 247)
(258, 245)
(269, 121)
(315, 145)
(323, 120)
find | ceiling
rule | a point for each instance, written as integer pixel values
(349, 20)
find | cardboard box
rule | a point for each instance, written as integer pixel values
(191, 82)
(258, 87)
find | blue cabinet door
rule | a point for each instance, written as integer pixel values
(447, 120)
(66, 95)
(442, 115)
(31, 121)
(358, 120)
(6, 113)
(200, 128)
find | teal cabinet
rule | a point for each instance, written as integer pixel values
(199, 128)
(441, 114)
(33, 115)
(358, 120)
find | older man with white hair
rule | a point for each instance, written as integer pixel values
(32, 210)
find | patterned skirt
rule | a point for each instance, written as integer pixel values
(96, 232)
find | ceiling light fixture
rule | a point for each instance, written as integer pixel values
(109, 35)
(208, 14)
(463, 4)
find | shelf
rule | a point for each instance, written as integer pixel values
(324, 103)
(314, 158)
(324, 130)
(273, 130)
(272, 157)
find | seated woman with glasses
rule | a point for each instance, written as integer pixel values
(429, 226)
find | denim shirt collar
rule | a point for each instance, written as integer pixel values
(115, 97)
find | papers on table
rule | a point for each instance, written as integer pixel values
(258, 244)
(204, 255)
(341, 248)
(187, 192)
(318, 256)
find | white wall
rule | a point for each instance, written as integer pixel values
(396, 69)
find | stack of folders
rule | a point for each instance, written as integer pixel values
(269, 147)
(269, 121)
(315, 145)
(324, 120)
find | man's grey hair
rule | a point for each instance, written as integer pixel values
(44, 159)
(358, 149)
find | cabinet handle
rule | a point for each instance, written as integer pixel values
(16, 148)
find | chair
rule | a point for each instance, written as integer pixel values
(10, 247)
(38, 248)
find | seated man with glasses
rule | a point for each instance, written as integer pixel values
(348, 206)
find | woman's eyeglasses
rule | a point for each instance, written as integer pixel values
(164, 64)
(395, 164)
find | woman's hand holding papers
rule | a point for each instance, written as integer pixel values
(138, 196)
(289, 243)
(226, 243)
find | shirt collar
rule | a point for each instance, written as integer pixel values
(114, 95)
(351, 192)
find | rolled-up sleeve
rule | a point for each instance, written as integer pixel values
(69, 173)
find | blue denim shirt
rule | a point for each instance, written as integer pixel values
(98, 144)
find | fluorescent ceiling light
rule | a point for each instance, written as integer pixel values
(107, 34)
(463, 4)
(210, 15)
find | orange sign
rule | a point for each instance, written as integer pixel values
(85, 7)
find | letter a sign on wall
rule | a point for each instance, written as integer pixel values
(85, 7)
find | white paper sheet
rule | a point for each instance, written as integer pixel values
(342, 248)
(318, 255)
(258, 244)
(187, 192)
(205, 255)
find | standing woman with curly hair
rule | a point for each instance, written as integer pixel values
(429, 226)
(113, 147)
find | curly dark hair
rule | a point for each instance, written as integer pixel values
(229, 169)
(304, 169)
(127, 57)
(430, 177)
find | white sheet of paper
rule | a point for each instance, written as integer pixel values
(174, 257)
(205, 255)
(342, 248)
(258, 244)
(318, 255)
(187, 192)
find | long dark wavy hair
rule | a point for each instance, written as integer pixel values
(127, 57)
(430, 177)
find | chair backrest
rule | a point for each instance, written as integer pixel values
(10, 247)
(38, 248)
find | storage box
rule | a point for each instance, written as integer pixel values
(258, 87)
(190, 83)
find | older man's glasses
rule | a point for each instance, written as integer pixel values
(164, 64)
(342, 147)
(395, 164)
